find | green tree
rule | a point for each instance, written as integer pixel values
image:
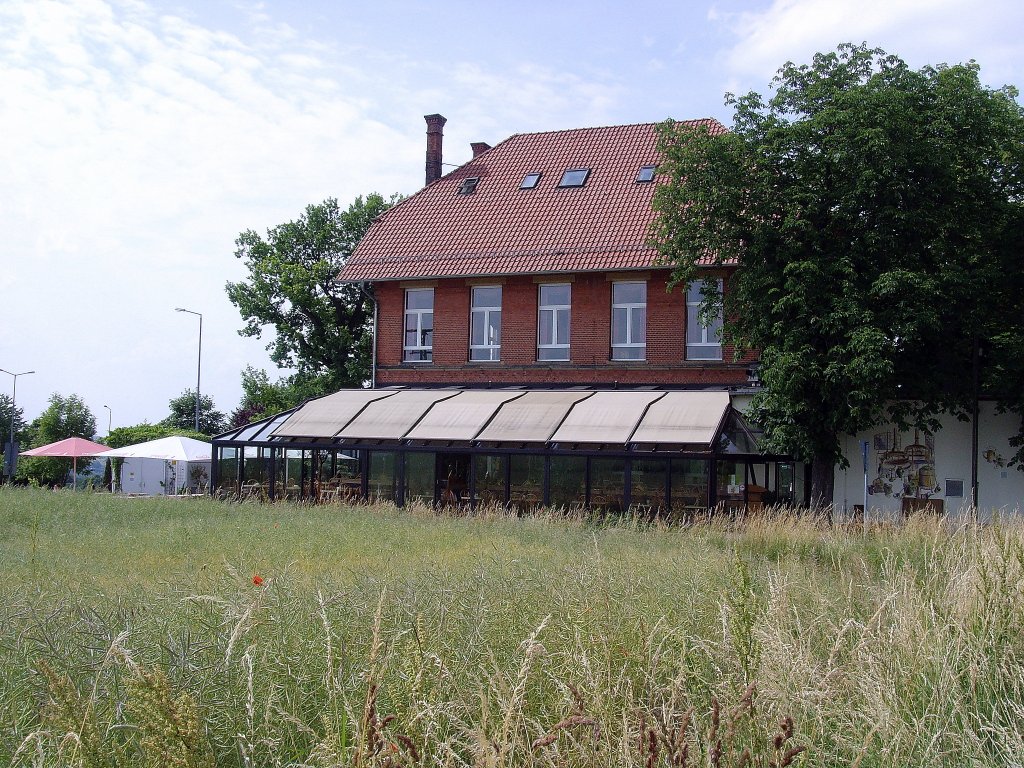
(20, 434)
(261, 397)
(182, 418)
(144, 432)
(5, 420)
(64, 417)
(874, 214)
(322, 326)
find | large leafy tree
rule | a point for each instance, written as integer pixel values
(874, 214)
(183, 415)
(64, 417)
(322, 327)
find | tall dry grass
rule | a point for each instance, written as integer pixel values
(132, 634)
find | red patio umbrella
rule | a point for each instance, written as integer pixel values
(69, 448)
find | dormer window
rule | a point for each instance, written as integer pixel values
(646, 174)
(468, 185)
(530, 181)
(574, 177)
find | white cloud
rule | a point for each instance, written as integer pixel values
(920, 31)
(138, 143)
(136, 148)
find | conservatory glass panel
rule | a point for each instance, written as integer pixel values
(419, 477)
(648, 484)
(490, 478)
(608, 483)
(527, 480)
(690, 485)
(382, 476)
(568, 481)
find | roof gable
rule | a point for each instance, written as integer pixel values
(452, 229)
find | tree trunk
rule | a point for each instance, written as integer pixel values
(823, 480)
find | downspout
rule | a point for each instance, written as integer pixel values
(373, 336)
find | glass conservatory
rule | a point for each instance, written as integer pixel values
(663, 452)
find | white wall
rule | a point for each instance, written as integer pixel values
(149, 476)
(1000, 488)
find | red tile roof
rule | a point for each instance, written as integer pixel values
(502, 229)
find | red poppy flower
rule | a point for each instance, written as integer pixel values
(257, 580)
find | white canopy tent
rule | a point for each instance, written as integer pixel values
(170, 465)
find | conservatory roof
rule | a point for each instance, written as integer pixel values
(326, 416)
(678, 417)
(462, 417)
(505, 417)
(606, 417)
(393, 417)
(532, 418)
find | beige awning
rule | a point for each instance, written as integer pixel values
(326, 416)
(391, 419)
(461, 417)
(606, 417)
(531, 418)
(683, 418)
(617, 417)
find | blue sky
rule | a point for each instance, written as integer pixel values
(140, 138)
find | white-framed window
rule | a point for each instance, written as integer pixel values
(553, 308)
(485, 323)
(703, 342)
(418, 346)
(629, 321)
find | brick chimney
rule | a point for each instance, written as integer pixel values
(435, 135)
(479, 147)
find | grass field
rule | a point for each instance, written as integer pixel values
(132, 634)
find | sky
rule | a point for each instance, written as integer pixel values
(139, 138)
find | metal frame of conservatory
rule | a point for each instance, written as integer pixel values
(648, 449)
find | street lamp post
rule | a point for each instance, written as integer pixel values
(199, 365)
(14, 398)
(110, 462)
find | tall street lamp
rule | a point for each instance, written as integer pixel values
(199, 365)
(110, 418)
(12, 457)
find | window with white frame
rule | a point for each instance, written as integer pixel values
(419, 325)
(703, 342)
(629, 321)
(553, 305)
(485, 323)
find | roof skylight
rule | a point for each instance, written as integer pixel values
(530, 181)
(468, 185)
(646, 174)
(574, 177)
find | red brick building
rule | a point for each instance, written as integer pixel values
(531, 265)
(528, 351)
